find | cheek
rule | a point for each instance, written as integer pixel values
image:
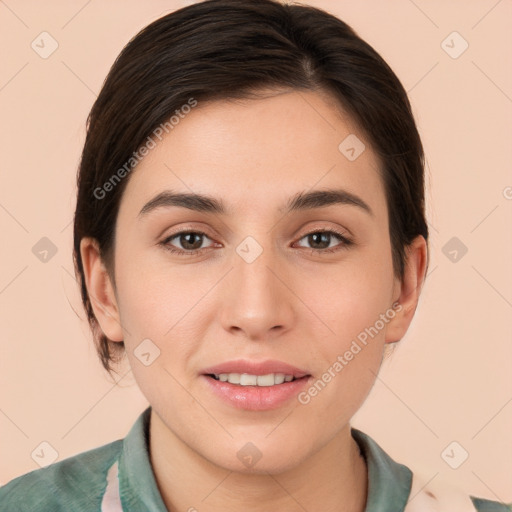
(352, 347)
(153, 294)
(350, 354)
(165, 304)
(352, 303)
(351, 296)
(145, 305)
(158, 319)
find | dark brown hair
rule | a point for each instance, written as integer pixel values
(220, 49)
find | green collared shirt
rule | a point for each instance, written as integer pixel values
(118, 477)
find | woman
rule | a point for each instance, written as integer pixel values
(250, 231)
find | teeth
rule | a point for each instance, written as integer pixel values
(248, 380)
(245, 379)
(279, 378)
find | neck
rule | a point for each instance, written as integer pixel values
(334, 479)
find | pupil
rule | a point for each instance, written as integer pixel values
(190, 235)
(317, 238)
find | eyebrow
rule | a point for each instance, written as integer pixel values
(299, 202)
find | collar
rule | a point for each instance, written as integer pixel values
(389, 483)
(138, 489)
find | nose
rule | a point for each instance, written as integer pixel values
(257, 302)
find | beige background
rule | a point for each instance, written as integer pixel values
(450, 379)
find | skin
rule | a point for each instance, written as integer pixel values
(290, 304)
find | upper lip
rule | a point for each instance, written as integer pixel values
(255, 368)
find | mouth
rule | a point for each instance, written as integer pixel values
(255, 385)
(255, 392)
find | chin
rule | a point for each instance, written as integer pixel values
(259, 458)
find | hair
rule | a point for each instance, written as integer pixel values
(224, 49)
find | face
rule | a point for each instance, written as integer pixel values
(308, 284)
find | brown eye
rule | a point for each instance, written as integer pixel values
(320, 241)
(190, 241)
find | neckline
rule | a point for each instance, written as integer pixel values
(389, 482)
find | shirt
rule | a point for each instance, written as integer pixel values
(118, 477)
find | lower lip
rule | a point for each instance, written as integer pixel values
(256, 398)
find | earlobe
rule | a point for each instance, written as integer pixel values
(100, 290)
(410, 289)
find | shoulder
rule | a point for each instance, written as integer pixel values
(482, 505)
(76, 483)
(394, 486)
(438, 496)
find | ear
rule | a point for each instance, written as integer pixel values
(409, 290)
(101, 290)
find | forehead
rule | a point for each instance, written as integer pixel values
(259, 151)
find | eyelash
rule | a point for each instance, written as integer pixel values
(346, 242)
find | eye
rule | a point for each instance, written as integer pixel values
(190, 241)
(323, 238)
